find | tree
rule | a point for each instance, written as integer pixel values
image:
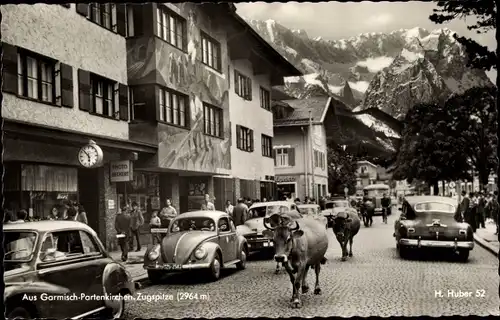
(474, 115)
(342, 168)
(429, 148)
(485, 11)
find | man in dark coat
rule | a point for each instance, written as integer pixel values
(481, 211)
(495, 209)
(386, 206)
(461, 214)
(123, 230)
(240, 212)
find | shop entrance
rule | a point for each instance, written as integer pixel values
(88, 189)
(287, 190)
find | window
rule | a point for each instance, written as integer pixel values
(89, 246)
(210, 52)
(102, 97)
(224, 225)
(36, 77)
(244, 139)
(242, 86)
(267, 146)
(282, 157)
(66, 244)
(265, 99)
(129, 18)
(212, 118)
(104, 14)
(174, 107)
(171, 27)
(319, 159)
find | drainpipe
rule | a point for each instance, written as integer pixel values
(312, 155)
(304, 138)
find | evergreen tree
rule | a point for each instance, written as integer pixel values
(342, 168)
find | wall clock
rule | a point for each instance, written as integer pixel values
(90, 155)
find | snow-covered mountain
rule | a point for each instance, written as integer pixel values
(390, 71)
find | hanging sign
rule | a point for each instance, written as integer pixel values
(121, 171)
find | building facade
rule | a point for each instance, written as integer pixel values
(300, 148)
(366, 174)
(151, 85)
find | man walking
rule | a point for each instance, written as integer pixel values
(495, 209)
(136, 221)
(122, 226)
(386, 203)
(480, 211)
(207, 205)
(240, 212)
(463, 208)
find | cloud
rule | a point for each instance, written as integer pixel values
(380, 19)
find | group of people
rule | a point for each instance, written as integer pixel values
(127, 224)
(476, 207)
(67, 210)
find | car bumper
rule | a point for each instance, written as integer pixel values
(184, 267)
(259, 244)
(437, 244)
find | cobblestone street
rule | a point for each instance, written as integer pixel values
(375, 282)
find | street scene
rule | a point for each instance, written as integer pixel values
(187, 160)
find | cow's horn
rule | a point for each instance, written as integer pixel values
(297, 227)
(267, 226)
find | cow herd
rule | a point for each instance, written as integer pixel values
(301, 243)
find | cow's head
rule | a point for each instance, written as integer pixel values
(283, 236)
(340, 224)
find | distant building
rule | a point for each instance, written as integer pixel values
(366, 174)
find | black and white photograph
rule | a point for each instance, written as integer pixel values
(250, 159)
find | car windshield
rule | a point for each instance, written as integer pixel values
(261, 212)
(19, 246)
(435, 206)
(377, 192)
(337, 204)
(193, 224)
(308, 210)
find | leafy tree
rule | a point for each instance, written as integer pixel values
(485, 11)
(475, 116)
(342, 168)
(429, 149)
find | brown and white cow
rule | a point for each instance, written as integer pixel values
(345, 226)
(299, 245)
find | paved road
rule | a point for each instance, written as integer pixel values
(375, 282)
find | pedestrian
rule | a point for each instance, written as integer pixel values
(81, 215)
(167, 213)
(21, 216)
(155, 223)
(207, 205)
(54, 214)
(461, 213)
(471, 213)
(386, 204)
(480, 211)
(136, 221)
(122, 226)
(229, 208)
(495, 210)
(322, 202)
(240, 212)
(70, 214)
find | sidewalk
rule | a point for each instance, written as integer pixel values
(487, 238)
(133, 264)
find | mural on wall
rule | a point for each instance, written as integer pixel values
(153, 60)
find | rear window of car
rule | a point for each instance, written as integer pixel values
(308, 210)
(19, 246)
(261, 212)
(435, 206)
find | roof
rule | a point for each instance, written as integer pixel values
(413, 200)
(47, 226)
(300, 115)
(203, 213)
(376, 186)
(270, 203)
(309, 205)
(367, 162)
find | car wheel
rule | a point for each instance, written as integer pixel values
(463, 255)
(19, 313)
(215, 268)
(243, 260)
(404, 252)
(154, 276)
(115, 307)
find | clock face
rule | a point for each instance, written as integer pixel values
(88, 156)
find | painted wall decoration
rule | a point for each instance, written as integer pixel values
(153, 60)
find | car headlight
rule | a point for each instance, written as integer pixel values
(200, 253)
(154, 253)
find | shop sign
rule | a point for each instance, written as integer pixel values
(121, 171)
(111, 204)
(62, 196)
(281, 179)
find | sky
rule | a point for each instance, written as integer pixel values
(339, 20)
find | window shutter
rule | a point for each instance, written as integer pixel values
(236, 83)
(121, 12)
(123, 101)
(249, 85)
(83, 9)
(66, 85)
(9, 68)
(291, 157)
(238, 136)
(250, 132)
(274, 157)
(84, 90)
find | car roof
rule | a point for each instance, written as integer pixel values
(413, 200)
(47, 226)
(203, 213)
(271, 203)
(376, 186)
(308, 205)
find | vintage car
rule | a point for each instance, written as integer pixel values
(48, 261)
(332, 208)
(428, 222)
(313, 211)
(375, 192)
(197, 240)
(254, 225)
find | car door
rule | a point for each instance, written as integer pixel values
(233, 239)
(65, 268)
(224, 239)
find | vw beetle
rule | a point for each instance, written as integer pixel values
(197, 240)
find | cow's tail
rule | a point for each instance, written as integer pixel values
(323, 260)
